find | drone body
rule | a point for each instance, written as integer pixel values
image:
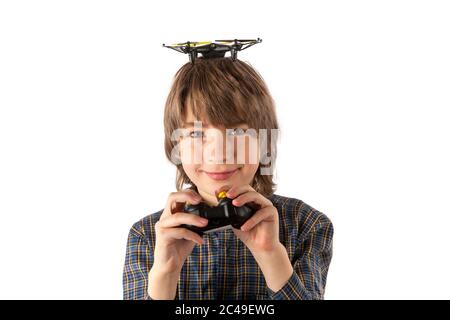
(212, 49)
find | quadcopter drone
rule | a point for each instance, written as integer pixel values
(212, 49)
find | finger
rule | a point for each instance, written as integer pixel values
(179, 218)
(180, 197)
(240, 234)
(265, 214)
(183, 233)
(252, 196)
(237, 190)
(178, 205)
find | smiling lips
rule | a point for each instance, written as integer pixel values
(221, 175)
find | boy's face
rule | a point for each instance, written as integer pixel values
(217, 157)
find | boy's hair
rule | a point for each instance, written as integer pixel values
(221, 92)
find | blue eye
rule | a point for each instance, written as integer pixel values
(196, 134)
(236, 132)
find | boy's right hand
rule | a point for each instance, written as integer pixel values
(174, 243)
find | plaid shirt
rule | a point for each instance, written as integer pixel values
(223, 268)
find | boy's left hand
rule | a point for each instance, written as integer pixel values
(261, 236)
(261, 232)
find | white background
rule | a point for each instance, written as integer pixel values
(362, 93)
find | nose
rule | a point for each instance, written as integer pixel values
(217, 149)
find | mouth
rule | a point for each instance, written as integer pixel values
(224, 175)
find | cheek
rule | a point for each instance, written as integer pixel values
(247, 151)
(252, 153)
(190, 152)
(247, 172)
(190, 169)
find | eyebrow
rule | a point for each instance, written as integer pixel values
(191, 124)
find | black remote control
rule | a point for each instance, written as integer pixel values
(224, 215)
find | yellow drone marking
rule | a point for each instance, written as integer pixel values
(194, 44)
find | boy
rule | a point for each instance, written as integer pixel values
(282, 252)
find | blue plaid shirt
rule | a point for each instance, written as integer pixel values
(223, 268)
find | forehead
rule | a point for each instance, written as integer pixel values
(189, 119)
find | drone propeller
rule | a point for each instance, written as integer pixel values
(212, 49)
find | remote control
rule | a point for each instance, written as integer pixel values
(223, 216)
